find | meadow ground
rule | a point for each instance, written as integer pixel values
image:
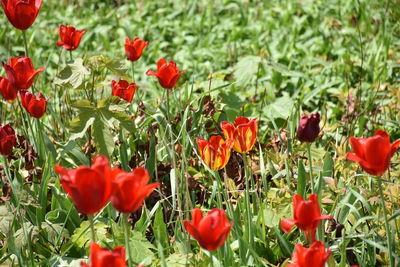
(267, 60)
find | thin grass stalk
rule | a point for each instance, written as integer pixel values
(387, 227)
(127, 236)
(311, 167)
(247, 201)
(91, 221)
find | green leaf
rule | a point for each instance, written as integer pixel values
(141, 247)
(246, 69)
(301, 179)
(118, 68)
(6, 218)
(160, 229)
(81, 124)
(103, 138)
(281, 108)
(73, 74)
(82, 236)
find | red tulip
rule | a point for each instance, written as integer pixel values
(315, 256)
(21, 13)
(243, 132)
(20, 72)
(7, 90)
(373, 153)
(307, 216)
(211, 230)
(89, 187)
(130, 189)
(308, 129)
(123, 89)
(134, 48)
(7, 139)
(216, 152)
(70, 37)
(101, 257)
(36, 106)
(167, 73)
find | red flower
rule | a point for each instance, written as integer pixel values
(373, 153)
(7, 139)
(243, 133)
(307, 216)
(167, 73)
(36, 106)
(211, 230)
(70, 37)
(101, 257)
(134, 48)
(315, 256)
(216, 152)
(7, 90)
(130, 189)
(21, 13)
(89, 187)
(308, 129)
(20, 72)
(123, 89)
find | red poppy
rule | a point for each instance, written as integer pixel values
(307, 216)
(89, 187)
(7, 139)
(36, 106)
(373, 153)
(21, 13)
(134, 48)
(211, 230)
(243, 132)
(20, 72)
(70, 37)
(314, 256)
(167, 73)
(130, 189)
(101, 257)
(308, 129)
(7, 90)
(123, 89)
(216, 152)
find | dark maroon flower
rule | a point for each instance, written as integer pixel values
(308, 129)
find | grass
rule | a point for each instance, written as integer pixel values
(271, 60)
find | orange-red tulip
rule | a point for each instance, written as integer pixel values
(36, 106)
(89, 187)
(216, 152)
(315, 256)
(373, 153)
(21, 13)
(243, 132)
(123, 90)
(70, 37)
(167, 73)
(134, 48)
(20, 72)
(7, 90)
(211, 230)
(130, 189)
(101, 257)
(307, 216)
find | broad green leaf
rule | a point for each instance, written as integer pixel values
(103, 137)
(73, 74)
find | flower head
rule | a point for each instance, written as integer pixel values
(216, 152)
(167, 73)
(243, 132)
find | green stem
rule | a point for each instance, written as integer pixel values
(127, 236)
(168, 118)
(70, 55)
(91, 221)
(247, 200)
(387, 228)
(212, 260)
(133, 71)
(311, 167)
(25, 44)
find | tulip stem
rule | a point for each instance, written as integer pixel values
(25, 44)
(311, 167)
(127, 244)
(212, 259)
(247, 200)
(387, 228)
(70, 55)
(91, 221)
(133, 71)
